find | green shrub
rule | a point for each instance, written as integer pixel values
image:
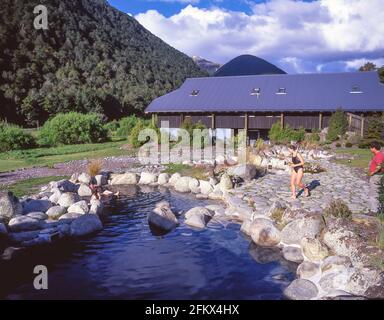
(73, 128)
(280, 135)
(348, 145)
(14, 138)
(338, 125)
(338, 209)
(338, 145)
(381, 197)
(112, 127)
(141, 125)
(313, 137)
(126, 125)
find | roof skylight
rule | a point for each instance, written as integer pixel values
(282, 91)
(194, 93)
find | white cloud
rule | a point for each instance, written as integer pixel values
(298, 36)
(179, 1)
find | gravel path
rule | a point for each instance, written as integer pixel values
(115, 164)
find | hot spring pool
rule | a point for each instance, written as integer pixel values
(126, 261)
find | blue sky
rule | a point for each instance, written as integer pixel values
(297, 35)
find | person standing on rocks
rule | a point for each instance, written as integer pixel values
(297, 173)
(376, 170)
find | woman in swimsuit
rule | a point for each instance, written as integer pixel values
(297, 166)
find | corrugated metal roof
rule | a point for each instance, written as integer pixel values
(304, 92)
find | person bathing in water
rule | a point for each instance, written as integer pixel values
(297, 173)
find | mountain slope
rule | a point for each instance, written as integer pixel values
(206, 65)
(247, 65)
(92, 58)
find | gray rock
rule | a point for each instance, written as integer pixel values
(313, 249)
(246, 227)
(201, 196)
(264, 233)
(124, 179)
(225, 182)
(335, 264)
(307, 269)
(36, 206)
(101, 179)
(147, 178)
(332, 281)
(174, 178)
(293, 254)
(216, 195)
(64, 186)
(68, 199)
(294, 231)
(85, 224)
(79, 207)
(70, 216)
(205, 187)
(163, 179)
(246, 172)
(276, 205)
(25, 223)
(97, 207)
(18, 237)
(84, 191)
(10, 253)
(9, 205)
(84, 178)
(194, 185)
(55, 212)
(54, 198)
(182, 185)
(38, 215)
(162, 217)
(198, 217)
(301, 289)
(264, 255)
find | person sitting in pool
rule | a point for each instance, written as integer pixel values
(297, 173)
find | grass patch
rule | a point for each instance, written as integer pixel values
(49, 156)
(186, 170)
(277, 216)
(30, 186)
(361, 160)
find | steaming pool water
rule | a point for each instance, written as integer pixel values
(127, 261)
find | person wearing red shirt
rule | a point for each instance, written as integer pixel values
(376, 170)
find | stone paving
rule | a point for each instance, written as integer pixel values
(337, 182)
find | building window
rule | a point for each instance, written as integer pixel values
(256, 92)
(282, 91)
(356, 89)
(194, 93)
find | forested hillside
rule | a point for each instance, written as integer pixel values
(92, 58)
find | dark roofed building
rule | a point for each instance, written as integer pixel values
(254, 103)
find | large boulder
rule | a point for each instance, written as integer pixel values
(332, 281)
(198, 217)
(163, 179)
(313, 249)
(68, 199)
(225, 182)
(246, 172)
(147, 178)
(85, 224)
(264, 255)
(69, 216)
(293, 254)
(84, 178)
(162, 217)
(335, 264)
(79, 207)
(182, 185)
(174, 178)
(124, 179)
(36, 206)
(264, 233)
(205, 187)
(301, 289)
(194, 185)
(64, 186)
(3, 230)
(97, 207)
(296, 230)
(307, 269)
(38, 215)
(9, 205)
(55, 212)
(25, 223)
(84, 191)
(55, 196)
(101, 179)
(246, 227)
